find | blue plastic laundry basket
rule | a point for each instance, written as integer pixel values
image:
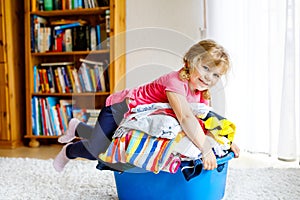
(209, 185)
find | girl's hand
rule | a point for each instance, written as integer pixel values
(209, 160)
(235, 149)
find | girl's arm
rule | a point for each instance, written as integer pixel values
(192, 128)
(235, 149)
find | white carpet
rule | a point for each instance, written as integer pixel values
(36, 179)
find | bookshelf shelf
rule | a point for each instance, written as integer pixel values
(79, 11)
(41, 137)
(71, 94)
(51, 71)
(103, 51)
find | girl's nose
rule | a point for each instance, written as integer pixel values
(207, 77)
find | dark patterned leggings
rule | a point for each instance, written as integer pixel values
(97, 139)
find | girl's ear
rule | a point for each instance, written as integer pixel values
(186, 63)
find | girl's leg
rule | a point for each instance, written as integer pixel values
(108, 121)
(74, 128)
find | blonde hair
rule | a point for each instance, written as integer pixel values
(208, 52)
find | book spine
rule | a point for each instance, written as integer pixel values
(61, 80)
(80, 3)
(34, 116)
(52, 79)
(88, 38)
(81, 41)
(76, 80)
(45, 132)
(63, 116)
(102, 78)
(48, 38)
(68, 40)
(57, 106)
(98, 34)
(41, 81)
(64, 4)
(86, 78)
(35, 79)
(68, 86)
(41, 5)
(56, 121)
(32, 34)
(59, 37)
(85, 4)
(90, 4)
(66, 26)
(71, 78)
(97, 77)
(70, 4)
(93, 38)
(75, 4)
(46, 81)
(57, 81)
(93, 80)
(50, 122)
(39, 117)
(81, 81)
(48, 5)
(57, 4)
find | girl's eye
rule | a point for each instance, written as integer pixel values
(217, 75)
(205, 68)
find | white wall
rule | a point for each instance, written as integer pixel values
(158, 33)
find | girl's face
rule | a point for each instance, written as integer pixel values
(203, 77)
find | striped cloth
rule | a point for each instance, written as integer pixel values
(144, 151)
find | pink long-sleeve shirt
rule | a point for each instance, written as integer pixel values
(155, 92)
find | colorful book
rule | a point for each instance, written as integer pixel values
(76, 81)
(98, 35)
(80, 114)
(66, 107)
(49, 125)
(35, 115)
(48, 5)
(52, 101)
(60, 117)
(68, 40)
(41, 81)
(97, 77)
(51, 79)
(102, 77)
(86, 77)
(46, 81)
(81, 80)
(92, 116)
(57, 81)
(44, 121)
(61, 80)
(67, 26)
(35, 79)
(93, 38)
(67, 81)
(93, 79)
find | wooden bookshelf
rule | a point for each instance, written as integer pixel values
(115, 54)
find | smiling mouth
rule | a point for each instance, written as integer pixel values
(203, 82)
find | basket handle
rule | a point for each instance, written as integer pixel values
(226, 158)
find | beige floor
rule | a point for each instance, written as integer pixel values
(246, 160)
(42, 152)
